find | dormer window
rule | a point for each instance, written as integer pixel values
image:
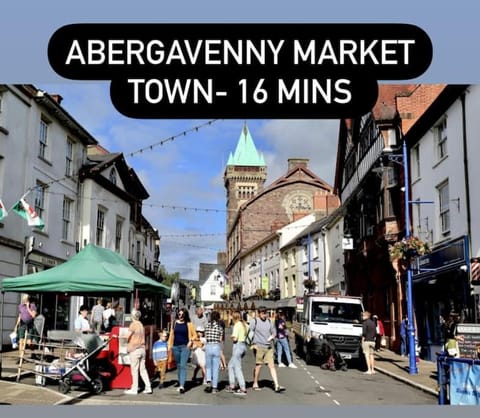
(113, 176)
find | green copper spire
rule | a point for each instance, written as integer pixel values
(246, 153)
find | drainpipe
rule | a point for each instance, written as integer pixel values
(467, 189)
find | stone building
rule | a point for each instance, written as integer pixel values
(255, 211)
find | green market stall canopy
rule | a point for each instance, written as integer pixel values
(92, 270)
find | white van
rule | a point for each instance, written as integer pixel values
(335, 318)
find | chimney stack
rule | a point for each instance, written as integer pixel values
(297, 162)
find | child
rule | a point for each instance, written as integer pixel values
(160, 356)
(198, 355)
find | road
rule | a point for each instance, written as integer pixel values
(307, 385)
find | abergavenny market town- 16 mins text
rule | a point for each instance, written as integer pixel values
(242, 52)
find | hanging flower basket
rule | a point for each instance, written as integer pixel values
(408, 248)
(309, 284)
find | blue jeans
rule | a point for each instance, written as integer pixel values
(212, 357)
(181, 354)
(403, 345)
(235, 365)
(282, 345)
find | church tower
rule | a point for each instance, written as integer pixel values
(245, 174)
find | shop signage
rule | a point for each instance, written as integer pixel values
(42, 259)
(469, 345)
(448, 256)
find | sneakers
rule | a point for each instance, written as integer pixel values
(181, 389)
(292, 366)
(161, 386)
(279, 389)
(208, 389)
(130, 392)
(148, 391)
(240, 392)
(281, 365)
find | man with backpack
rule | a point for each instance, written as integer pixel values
(263, 336)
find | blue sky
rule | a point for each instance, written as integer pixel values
(188, 171)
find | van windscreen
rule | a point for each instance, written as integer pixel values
(350, 313)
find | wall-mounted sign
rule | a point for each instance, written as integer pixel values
(347, 243)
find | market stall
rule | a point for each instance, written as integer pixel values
(94, 271)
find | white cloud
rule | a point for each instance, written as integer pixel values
(188, 171)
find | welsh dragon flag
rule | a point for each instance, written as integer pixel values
(3, 211)
(23, 209)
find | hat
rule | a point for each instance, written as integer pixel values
(136, 314)
(375, 316)
(262, 309)
(200, 329)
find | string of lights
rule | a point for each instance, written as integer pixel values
(172, 138)
(171, 207)
(184, 133)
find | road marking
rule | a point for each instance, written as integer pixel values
(336, 402)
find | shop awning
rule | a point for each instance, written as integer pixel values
(287, 303)
(92, 270)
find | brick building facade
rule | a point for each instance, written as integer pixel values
(297, 193)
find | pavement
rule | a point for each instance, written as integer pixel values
(26, 392)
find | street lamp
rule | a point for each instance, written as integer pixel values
(402, 159)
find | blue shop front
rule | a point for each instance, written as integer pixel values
(441, 285)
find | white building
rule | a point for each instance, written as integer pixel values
(443, 148)
(43, 158)
(213, 287)
(41, 150)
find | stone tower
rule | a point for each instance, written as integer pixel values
(245, 174)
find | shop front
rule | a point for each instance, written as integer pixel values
(440, 286)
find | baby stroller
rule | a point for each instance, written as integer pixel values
(82, 369)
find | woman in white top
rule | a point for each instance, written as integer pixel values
(81, 323)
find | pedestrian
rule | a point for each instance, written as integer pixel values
(235, 372)
(283, 345)
(199, 320)
(136, 352)
(368, 341)
(180, 342)
(96, 319)
(451, 334)
(24, 327)
(81, 323)
(403, 336)
(160, 356)
(109, 320)
(198, 355)
(263, 335)
(213, 351)
(379, 332)
(223, 361)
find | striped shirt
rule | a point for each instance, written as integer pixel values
(213, 332)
